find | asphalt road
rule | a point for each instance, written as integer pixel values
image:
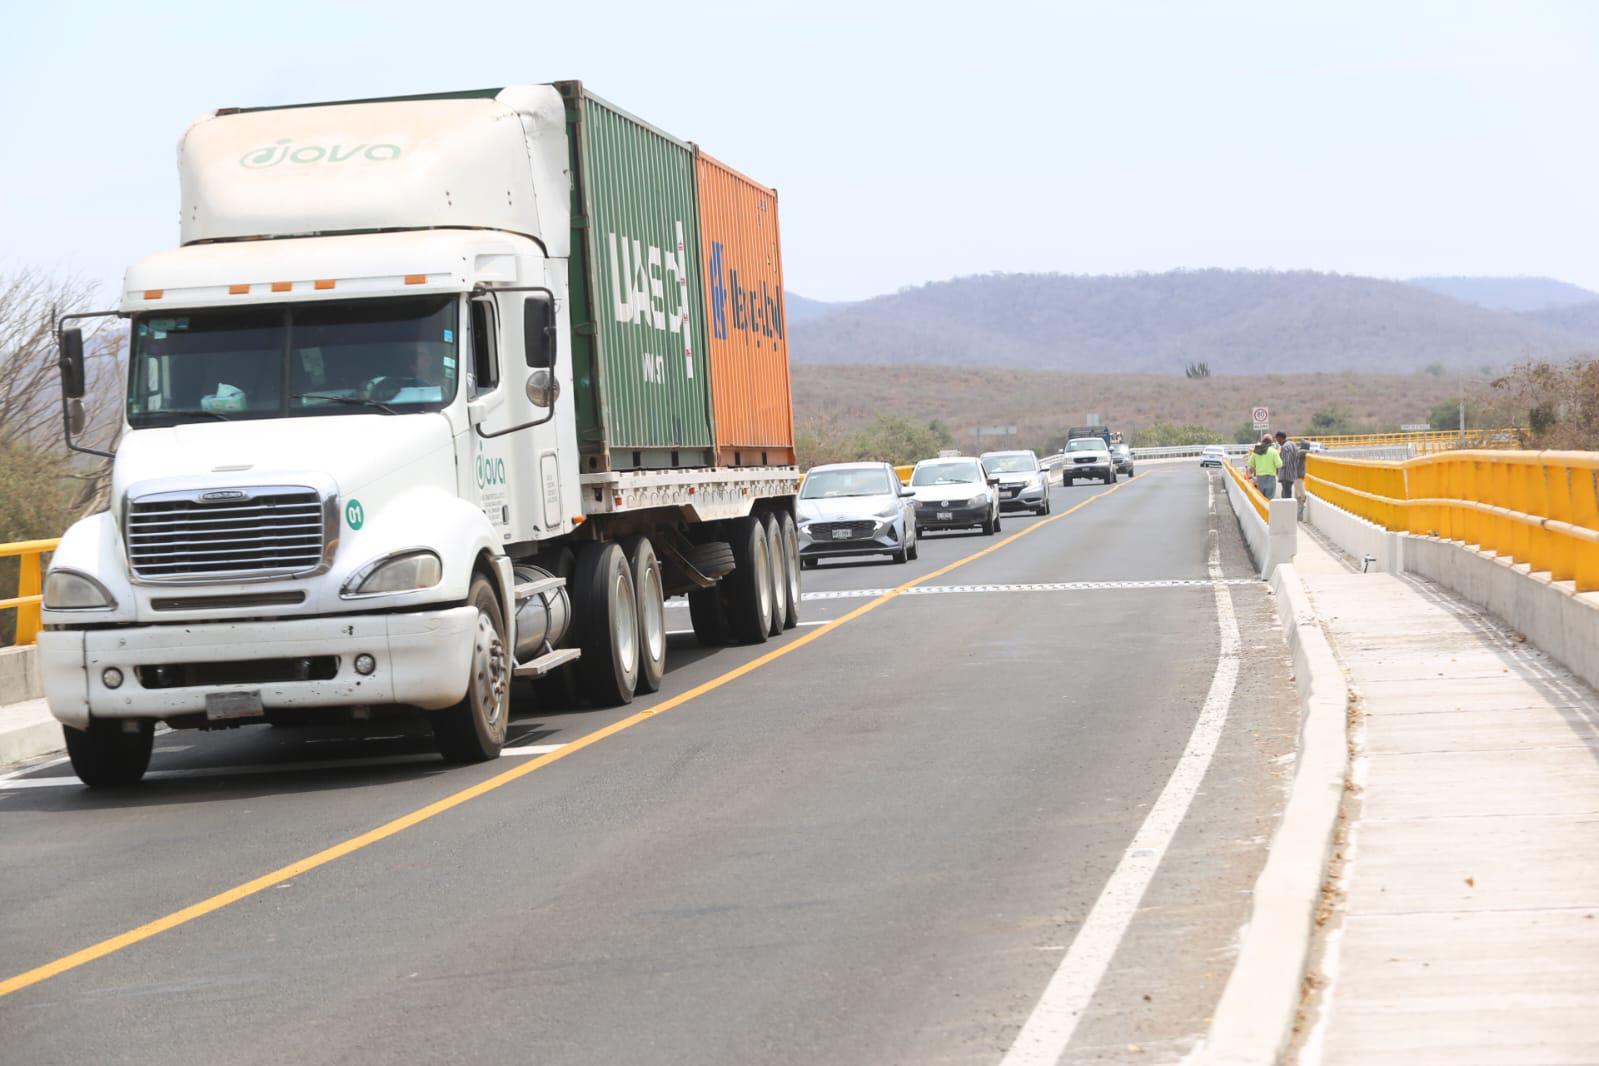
(876, 845)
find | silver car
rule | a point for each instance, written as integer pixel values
(855, 509)
(955, 492)
(1087, 457)
(1023, 484)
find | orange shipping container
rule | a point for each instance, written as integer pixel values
(752, 415)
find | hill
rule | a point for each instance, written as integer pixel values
(1236, 321)
(801, 309)
(1509, 294)
(1581, 320)
(837, 399)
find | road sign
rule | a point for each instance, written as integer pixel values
(1261, 417)
(1416, 427)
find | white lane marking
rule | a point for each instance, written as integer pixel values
(690, 632)
(1041, 586)
(12, 784)
(1049, 1028)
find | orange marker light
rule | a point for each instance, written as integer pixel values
(153, 294)
(282, 286)
(238, 290)
(416, 279)
(324, 283)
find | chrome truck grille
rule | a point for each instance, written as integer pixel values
(233, 534)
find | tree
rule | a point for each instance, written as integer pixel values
(1167, 435)
(1555, 404)
(1196, 370)
(1332, 421)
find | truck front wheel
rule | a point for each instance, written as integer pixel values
(474, 729)
(110, 752)
(606, 609)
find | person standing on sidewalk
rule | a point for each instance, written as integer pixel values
(1293, 468)
(1264, 462)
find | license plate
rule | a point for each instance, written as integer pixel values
(221, 706)
(946, 516)
(841, 534)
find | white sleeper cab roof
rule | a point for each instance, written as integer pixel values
(470, 161)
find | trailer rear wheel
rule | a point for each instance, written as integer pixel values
(791, 569)
(646, 570)
(779, 570)
(606, 609)
(747, 594)
(706, 615)
(107, 755)
(474, 729)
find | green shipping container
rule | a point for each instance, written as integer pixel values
(639, 359)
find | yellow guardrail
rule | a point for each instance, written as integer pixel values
(1537, 508)
(29, 555)
(1251, 493)
(1432, 440)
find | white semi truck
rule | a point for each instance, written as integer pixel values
(426, 402)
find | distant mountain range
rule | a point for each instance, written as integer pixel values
(1510, 294)
(1237, 322)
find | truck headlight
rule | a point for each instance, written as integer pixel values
(406, 571)
(68, 590)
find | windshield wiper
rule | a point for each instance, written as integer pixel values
(353, 401)
(218, 415)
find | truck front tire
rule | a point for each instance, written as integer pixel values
(107, 754)
(606, 609)
(474, 729)
(646, 570)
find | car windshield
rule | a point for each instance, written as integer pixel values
(1011, 463)
(958, 472)
(831, 484)
(1086, 444)
(389, 356)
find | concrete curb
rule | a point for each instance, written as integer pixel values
(1254, 1020)
(27, 731)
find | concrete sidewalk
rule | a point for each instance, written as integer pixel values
(1468, 930)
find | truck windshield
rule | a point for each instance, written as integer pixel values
(356, 357)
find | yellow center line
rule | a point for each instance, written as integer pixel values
(421, 814)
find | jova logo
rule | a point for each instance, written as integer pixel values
(753, 311)
(285, 150)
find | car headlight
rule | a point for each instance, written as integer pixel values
(980, 499)
(1036, 481)
(68, 590)
(888, 515)
(406, 571)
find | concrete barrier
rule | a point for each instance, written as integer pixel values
(1553, 615)
(19, 675)
(1356, 536)
(1273, 541)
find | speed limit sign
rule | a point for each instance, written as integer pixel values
(1261, 417)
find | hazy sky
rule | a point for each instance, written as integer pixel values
(909, 142)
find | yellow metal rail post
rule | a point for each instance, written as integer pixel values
(29, 555)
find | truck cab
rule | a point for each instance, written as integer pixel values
(350, 478)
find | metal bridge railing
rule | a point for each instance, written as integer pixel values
(1538, 508)
(30, 561)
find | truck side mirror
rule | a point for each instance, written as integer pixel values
(71, 363)
(539, 331)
